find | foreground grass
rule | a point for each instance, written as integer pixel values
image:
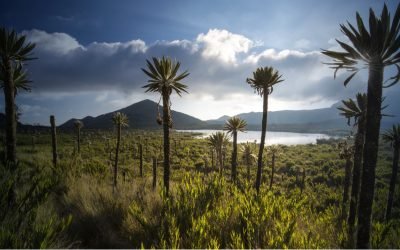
(74, 205)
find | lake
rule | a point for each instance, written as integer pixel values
(287, 138)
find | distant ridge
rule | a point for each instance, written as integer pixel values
(141, 115)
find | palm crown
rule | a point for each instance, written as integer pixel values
(20, 80)
(13, 47)
(120, 119)
(264, 79)
(354, 109)
(218, 139)
(392, 135)
(378, 46)
(163, 76)
(247, 152)
(78, 124)
(235, 124)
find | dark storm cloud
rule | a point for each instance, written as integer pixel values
(218, 62)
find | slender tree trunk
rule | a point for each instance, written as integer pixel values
(262, 142)
(234, 157)
(346, 187)
(116, 155)
(79, 140)
(303, 181)
(11, 118)
(141, 159)
(221, 161)
(248, 170)
(166, 124)
(395, 168)
(355, 188)
(154, 172)
(53, 139)
(273, 171)
(212, 158)
(370, 155)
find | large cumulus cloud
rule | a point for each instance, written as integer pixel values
(218, 61)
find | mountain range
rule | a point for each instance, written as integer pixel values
(142, 115)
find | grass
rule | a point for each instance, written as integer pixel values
(74, 204)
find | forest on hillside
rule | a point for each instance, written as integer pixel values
(131, 188)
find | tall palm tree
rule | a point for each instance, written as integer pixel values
(346, 152)
(78, 125)
(393, 137)
(375, 49)
(248, 157)
(164, 80)
(262, 82)
(233, 125)
(120, 120)
(218, 141)
(355, 110)
(14, 51)
(275, 150)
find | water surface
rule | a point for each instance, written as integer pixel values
(287, 138)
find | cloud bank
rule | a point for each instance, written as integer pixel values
(218, 61)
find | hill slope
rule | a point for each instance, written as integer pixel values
(141, 115)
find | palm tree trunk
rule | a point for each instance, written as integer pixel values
(234, 156)
(11, 122)
(154, 172)
(395, 168)
(355, 188)
(53, 139)
(370, 155)
(346, 187)
(273, 172)
(141, 159)
(116, 155)
(166, 123)
(212, 158)
(263, 132)
(79, 140)
(221, 161)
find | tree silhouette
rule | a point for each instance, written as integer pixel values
(374, 49)
(275, 150)
(218, 141)
(248, 157)
(14, 51)
(120, 120)
(78, 125)
(165, 80)
(233, 125)
(346, 153)
(262, 82)
(355, 110)
(392, 136)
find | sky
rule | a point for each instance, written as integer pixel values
(90, 53)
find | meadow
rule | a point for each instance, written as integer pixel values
(74, 204)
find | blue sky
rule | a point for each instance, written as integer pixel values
(90, 53)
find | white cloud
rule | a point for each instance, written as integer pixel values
(223, 45)
(59, 43)
(218, 63)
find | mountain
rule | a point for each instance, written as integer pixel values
(314, 120)
(141, 115)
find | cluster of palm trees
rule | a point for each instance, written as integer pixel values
(375, 49)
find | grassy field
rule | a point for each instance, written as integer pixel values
(75, 205)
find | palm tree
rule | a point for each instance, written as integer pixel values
(164, 80)
(218, 141)
(262, 82)
(375, 49)
(233, 125)
(346, 152)
(14, 51)
(120, 120)
(248, 157)
(275, 151)
(393, 137)
(357, 110)
(78, 125)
